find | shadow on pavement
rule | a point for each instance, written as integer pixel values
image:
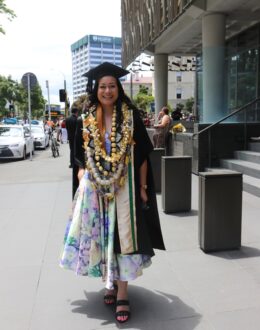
(242, 253)
(191, 213)
(151, 310)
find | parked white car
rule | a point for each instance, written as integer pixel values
(40, 137)
(15, 142)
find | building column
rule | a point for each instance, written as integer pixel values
(213, 59)
(160, 81)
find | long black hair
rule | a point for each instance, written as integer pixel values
(122, 98)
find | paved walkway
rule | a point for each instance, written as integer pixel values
(184, 289)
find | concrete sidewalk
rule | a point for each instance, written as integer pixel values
(184, 289)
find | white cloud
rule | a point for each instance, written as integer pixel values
(39, 39)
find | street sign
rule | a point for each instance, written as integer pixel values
(29, 81)
(32, 79)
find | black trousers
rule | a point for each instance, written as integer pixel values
(75, 168)
(71, 144)
(75, 181)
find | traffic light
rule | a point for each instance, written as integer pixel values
(11, 107)
(62, 95)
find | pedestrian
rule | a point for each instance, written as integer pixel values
(71, 124)
(159, 117)
(64, 133)
(58, 132)
(176, 114)
(115, 224)
(47, 128)
(162, 129)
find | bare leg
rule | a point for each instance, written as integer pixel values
(122, 294)
(110, 295)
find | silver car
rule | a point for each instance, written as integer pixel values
(41, 138)
(15, 142)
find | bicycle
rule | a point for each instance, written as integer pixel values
(54, 146)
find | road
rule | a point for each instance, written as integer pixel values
(42, 168)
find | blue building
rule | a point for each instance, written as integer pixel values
(89, 52)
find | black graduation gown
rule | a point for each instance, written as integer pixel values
(71, 125)
(149, 234)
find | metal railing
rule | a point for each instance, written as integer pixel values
(248, 113)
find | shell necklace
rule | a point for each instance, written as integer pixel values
(108, 171)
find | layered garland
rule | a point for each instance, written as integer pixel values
(108, 171)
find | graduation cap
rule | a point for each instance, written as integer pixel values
(102, 70)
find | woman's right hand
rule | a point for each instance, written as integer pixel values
(143, 194)
(81, 173)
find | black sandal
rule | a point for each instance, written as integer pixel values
(122, 313)
(109, 298)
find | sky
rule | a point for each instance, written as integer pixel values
(38, 40)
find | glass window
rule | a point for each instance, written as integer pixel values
(95, 51)
(108, 57)
(107, 46)
(232, 82)
(242, 68)
(248, 38)
(246, 76)
(199, 89)
(178, 93)
(178, 76)
(95, 62)
(258, 51)
(95, 44)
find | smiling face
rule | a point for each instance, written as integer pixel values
(107, 92)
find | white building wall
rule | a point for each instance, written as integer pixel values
(181, 86)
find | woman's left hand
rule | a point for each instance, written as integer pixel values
(143, 194)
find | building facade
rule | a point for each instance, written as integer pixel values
(222, 35)
(88, 52)
(132, 85)
(181, 86)
(181, 77)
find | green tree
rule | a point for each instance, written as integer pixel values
(37, 103)
(7, 88)
(143, 99)
(9, 93)
(189, 104)
(180, 106)
(143, 90)
(12, 92)
(4, 10)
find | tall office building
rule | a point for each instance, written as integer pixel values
(89, 52)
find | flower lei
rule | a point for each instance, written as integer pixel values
(108, 171)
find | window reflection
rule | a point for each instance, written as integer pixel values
(242, 72)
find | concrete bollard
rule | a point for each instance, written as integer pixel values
(176, 184)
(220, 210)
(156, 164)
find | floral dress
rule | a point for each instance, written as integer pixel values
(89, 238)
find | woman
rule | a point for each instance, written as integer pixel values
(115, 223)
(64, 133)
(58, 132)
(162, 129)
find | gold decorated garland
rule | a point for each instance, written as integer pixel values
(108, 171)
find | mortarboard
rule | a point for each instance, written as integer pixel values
(104, 69)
